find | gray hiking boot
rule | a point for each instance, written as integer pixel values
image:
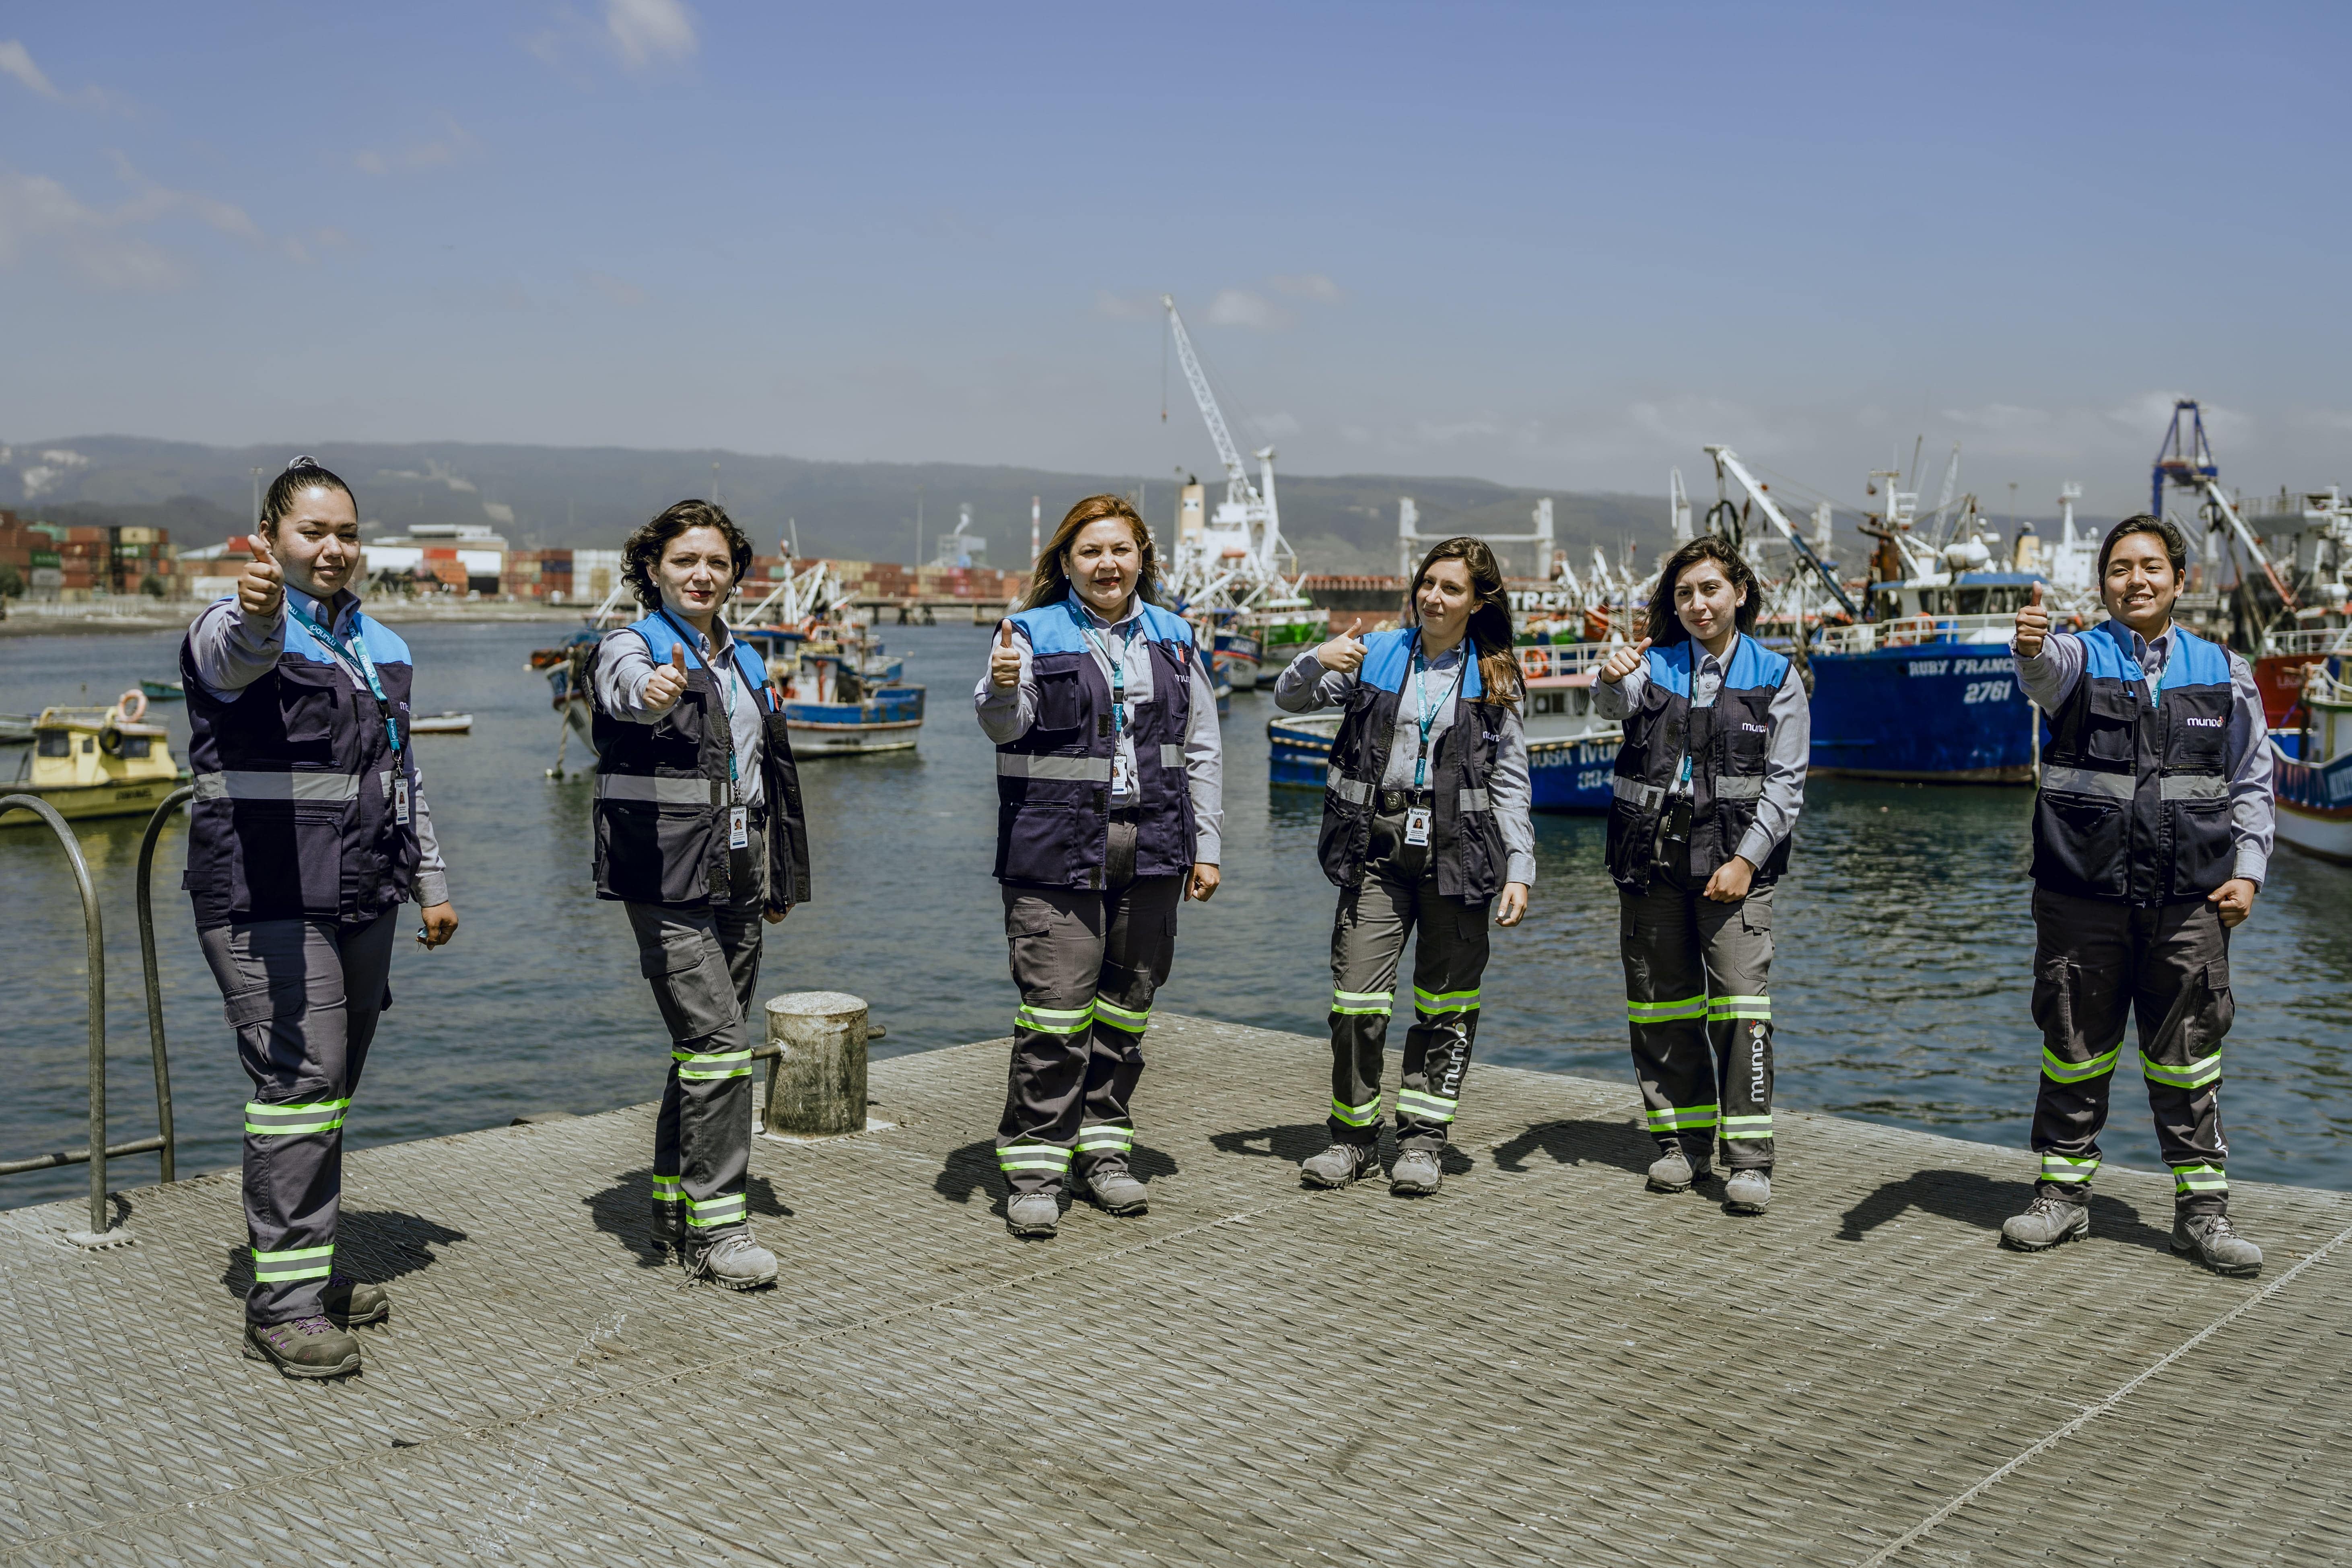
(303, 1347)
(2211, 1239)
(2045, 1223)
(1338, 1165)
(1748, 1192)
(1033, 1214)
(1672, 1170)
(1415, 1174)
(731, 1259)
(1117, 1193)
(351, 1304)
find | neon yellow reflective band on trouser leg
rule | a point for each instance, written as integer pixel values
(293, 1120)
(1431, 1004)
(1665, 1012)
(1424, 1107)
(1365, 1115)
(1048, 1157)
(298, 1263)
(2065, 1168)
(1053, 1020)
(731, 1208)
(1747, 1127)
(1124, 1019)
(1362, 1004)
(1106, 1138)
(666, 1190)
(1685, 1118)
(1740, 1007)
(2059, 1071)
(2191, 1181)
(2189, 1075)
(704, 1064)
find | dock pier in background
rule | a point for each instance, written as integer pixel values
(1542, 1363)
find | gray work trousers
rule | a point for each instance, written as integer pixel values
(303, 997)
(1698, 980)
(703, 962)
(2095, 964)
(1398, 894)
(1087, 964)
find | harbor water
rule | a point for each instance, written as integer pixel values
(1899, 993)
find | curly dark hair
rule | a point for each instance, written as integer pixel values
(1663, 627)
(644, 550)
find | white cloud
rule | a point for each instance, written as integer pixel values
(1306, 286)
(1126, 307)
(499, 512)
(642, 31)
(1279, 426)
(17, 61)
(617, 290)
(1240, 308)
(454, 143)
(38, 213)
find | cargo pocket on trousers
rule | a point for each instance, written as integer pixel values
(2053, 1001)
(2209, 1014)
(691, 985)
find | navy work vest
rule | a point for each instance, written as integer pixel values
(662, 790)
(1466, 842)
(1728, 744)
(2135, 798)
(1053, 783)
(293, 816)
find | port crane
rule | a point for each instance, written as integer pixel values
(1235, 560)
(2186, 459)
(1727, 461)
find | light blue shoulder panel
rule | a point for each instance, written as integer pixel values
(1670, 666)
(2108, 653)
(1052, 628)
(384, 645)
(2194, 662)
(1388, 658)
(1753, 665)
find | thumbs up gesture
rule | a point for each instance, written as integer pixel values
(667, 682)
(1003, 659)
(1624, 661)
(2032, 626)
(262, 588)
(1344, 653)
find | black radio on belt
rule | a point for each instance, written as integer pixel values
(1674, 827)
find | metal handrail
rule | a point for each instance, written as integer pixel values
(98, 1151)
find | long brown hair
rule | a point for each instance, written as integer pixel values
(1490, 613)
(1050, 584)
(1665, 628)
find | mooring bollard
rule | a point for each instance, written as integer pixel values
(817, 1067)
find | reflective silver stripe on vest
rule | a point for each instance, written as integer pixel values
(656, 791)
(1080, 770)
(1740, 786)
(1355, 792)
(1634, 792)
(1473, 800)
(335, 787)
(2192, 786)
(1171, 755)
(2083, 780)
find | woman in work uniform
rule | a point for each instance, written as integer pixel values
(1708, 784)
(308, 831)
(1110, 778)
(700, 834)
(1425, 824)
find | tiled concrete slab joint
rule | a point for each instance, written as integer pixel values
(1542, 1364)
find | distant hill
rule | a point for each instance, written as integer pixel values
(593, 496)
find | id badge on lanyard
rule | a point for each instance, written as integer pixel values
(1416, 826)
(400, 799)
(739, 828)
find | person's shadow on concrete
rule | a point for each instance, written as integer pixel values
(1289, 1142)
(1984, 1202)
(375, 1247)
(1618, 1144)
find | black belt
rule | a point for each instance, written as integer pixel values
(1130, 814)
(1396, 802)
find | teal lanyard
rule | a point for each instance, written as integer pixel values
(354, 656)
(719, 684)
(1116, 660)
(1428, 715)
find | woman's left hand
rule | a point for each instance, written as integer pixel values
(1729, 883)
(440, 924)
(1202, 883)
(1512, 907)
(774, 916)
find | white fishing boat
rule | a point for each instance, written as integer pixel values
(2313, 767)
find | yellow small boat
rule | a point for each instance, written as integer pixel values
(98, 761)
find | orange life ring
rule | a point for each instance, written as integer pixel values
(131, 706)
(1535, 663)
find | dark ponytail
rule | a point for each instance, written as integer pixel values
(301, 474)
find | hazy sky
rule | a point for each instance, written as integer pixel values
(1547, 244)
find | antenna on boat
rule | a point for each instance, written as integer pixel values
(1678, 513)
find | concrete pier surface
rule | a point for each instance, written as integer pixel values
(1543, 1363)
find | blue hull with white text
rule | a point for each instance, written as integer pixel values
(1565, 774)
(1933, 712)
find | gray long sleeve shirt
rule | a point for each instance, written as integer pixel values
(624, 665)
(1785, 758)
(232, 650)
(2050, 678)
(1006, 713)
(1307, 686)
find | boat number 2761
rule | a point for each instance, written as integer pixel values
(1986, 691)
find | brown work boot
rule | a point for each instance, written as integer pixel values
(303, 1347)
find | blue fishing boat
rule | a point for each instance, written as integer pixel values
(1571, 750)
(2312, 767)
(1924, 690)
(841, 695)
